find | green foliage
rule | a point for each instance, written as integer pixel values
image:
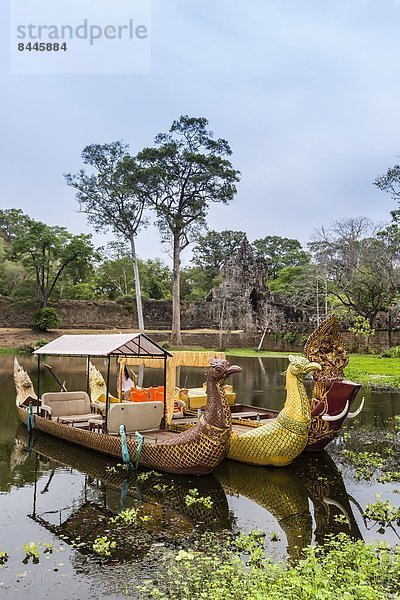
(341, 569)
(31, 551)
(129, 516)
(393, 352)
(128, 302)
(361, 265)
(374, 371)
(3, 558)
(103, 546)
(46, 318)
(156, 279)
(193, 497)
(195, 284)
(43, 255)
(79, 291)
(361, 328)
(289, 337)
(366, 463)
(211, 251)
(281, 253)
(115, 277)
(40, 343)
(148, 475)
(383, 513)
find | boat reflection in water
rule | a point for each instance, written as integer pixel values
(285, 493)
(163, 515)
(326, 489)
(84, 512)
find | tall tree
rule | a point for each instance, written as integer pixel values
(280, 252)
(361, 264)
(181, 176)
(390, 183)
(110, 199)
(213, 248)
(48, 252)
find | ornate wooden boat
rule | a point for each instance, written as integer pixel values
(128, 489)
(195, 451)
(280, 440)
(332, 395)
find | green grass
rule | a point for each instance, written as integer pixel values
(11, 351)
(374, 371)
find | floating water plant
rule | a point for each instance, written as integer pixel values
(31, 551)
(193, 497)
(103, 546)
(383, 513)
(148, 474)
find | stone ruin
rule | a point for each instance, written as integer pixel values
(243, 300)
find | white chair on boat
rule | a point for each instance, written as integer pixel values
(136, 416)
(71, 407)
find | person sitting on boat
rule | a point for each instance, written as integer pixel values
(127, 383)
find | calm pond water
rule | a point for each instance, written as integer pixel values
(65, 496)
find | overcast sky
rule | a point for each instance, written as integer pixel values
(306, 92)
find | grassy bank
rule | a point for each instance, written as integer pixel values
(374, 371)
(371, 371)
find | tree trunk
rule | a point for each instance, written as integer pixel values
(390, 328)
(138, 292)
(176, 339)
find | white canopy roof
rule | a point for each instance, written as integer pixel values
(126, 344)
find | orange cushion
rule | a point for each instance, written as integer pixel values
(139, 395)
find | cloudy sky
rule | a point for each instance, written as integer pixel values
(306, 92)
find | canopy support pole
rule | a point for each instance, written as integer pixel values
(87, 374)
(38, 377)
(165, 394)
(107, 393)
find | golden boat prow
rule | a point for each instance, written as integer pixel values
(196, 451)
(282, 439)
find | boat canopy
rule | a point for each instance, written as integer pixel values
(178, 359)
(116, 344)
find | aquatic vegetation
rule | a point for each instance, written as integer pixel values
(343, 568)
(48, 548)
(103, 546)
(274, 537)
(389, 476)
(31, 551)
(366, 463)
(147, 475)
(3, 558)
(160, 487)
(128, 516)
(383, 513)
(193, 497)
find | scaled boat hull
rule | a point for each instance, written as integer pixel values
(187, 456)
